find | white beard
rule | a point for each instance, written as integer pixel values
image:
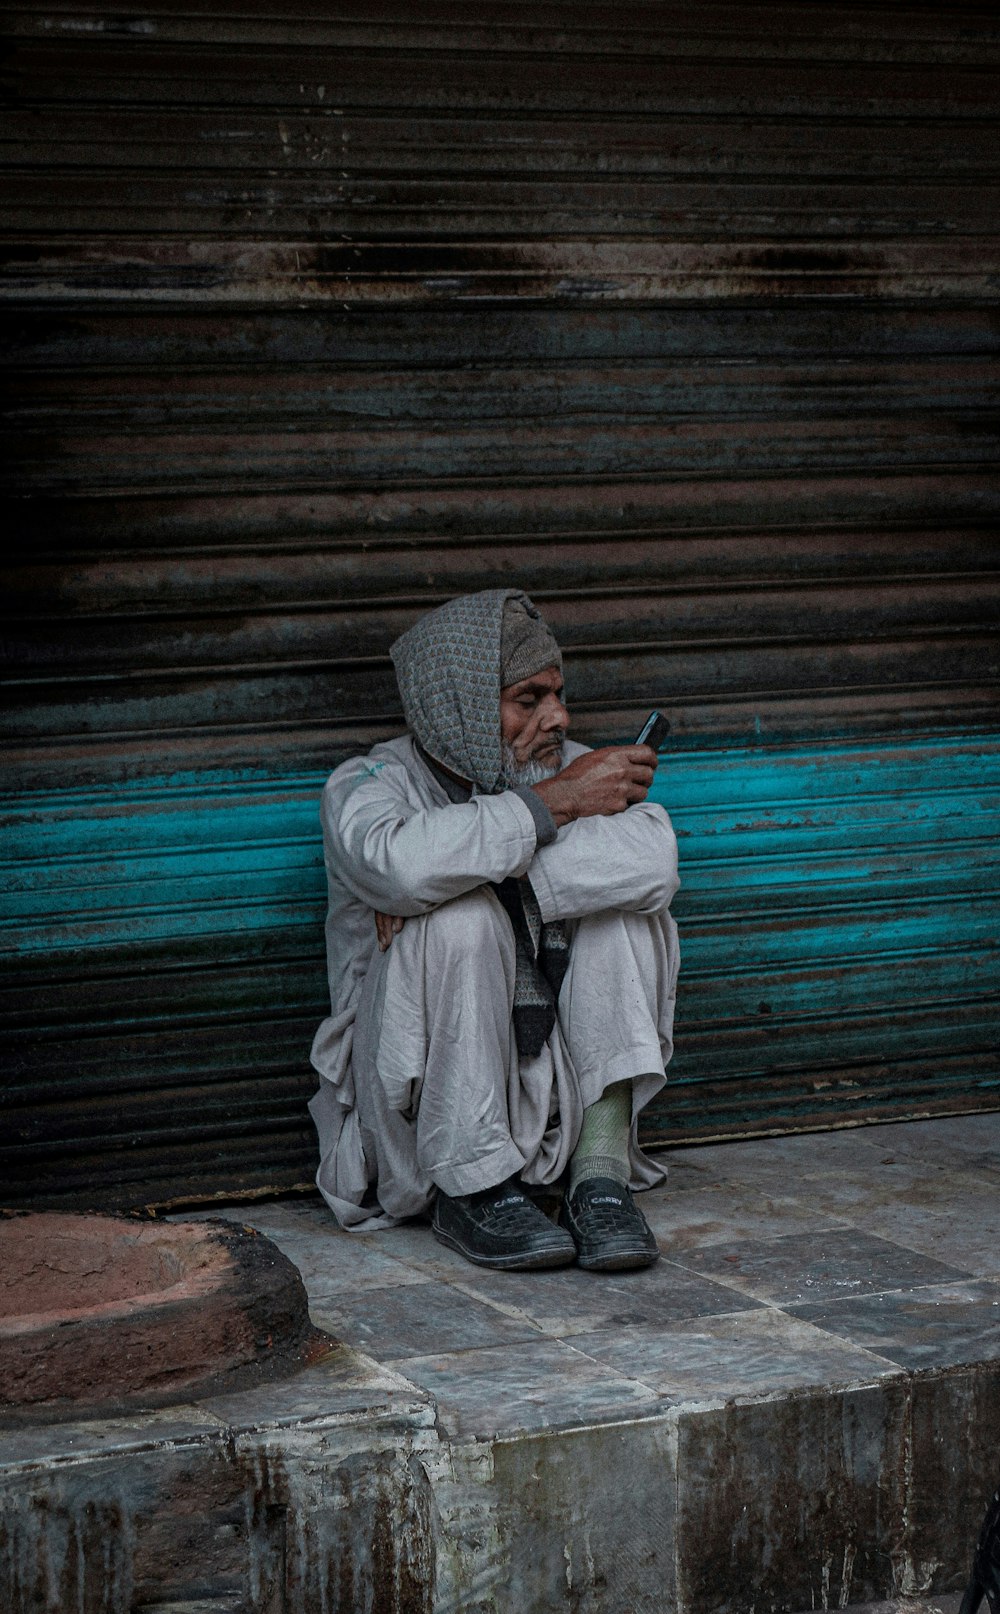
(532, 772)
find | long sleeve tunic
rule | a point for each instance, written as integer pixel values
(394, 842)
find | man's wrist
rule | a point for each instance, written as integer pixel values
(558, 798)
(545, 823)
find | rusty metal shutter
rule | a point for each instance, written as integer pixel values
(685, 319)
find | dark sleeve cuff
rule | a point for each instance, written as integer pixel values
(545, 825)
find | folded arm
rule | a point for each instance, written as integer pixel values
(628, 862)
(401, 860)
(614, 848)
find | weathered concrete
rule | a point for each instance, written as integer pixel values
(307, 1495)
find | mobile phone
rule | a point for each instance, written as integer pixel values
(654, 731)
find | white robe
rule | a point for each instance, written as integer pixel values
(421, 1085)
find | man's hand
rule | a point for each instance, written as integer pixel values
(599, 783)
(387, 925)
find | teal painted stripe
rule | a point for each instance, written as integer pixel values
(294, 869)
(270, 835)
(838, 917)
(825, 826)
(124, 823)
(295, 873)
(750, 933)
(810, 854)
(189, 922)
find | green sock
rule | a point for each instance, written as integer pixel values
(603, 1147)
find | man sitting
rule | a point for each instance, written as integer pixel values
(502, 960)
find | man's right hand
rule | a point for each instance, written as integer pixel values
(387, 925)
(599, 783)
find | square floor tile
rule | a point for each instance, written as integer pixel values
(682, 1172)
(964, 1231)
(816, 1266)
(415, 1319)
(852, 1189)
(540, 1384)
(783, 1159)
(755, 1353)
(296, 1214)
(413, 1245)
(964, 1140)
(72, 1441)
(942, 1326)
(572, 1301)
(344, 1383)
(333, 1262)
(726, 1212)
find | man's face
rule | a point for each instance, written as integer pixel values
(533, 720)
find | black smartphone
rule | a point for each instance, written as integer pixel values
(654, 731)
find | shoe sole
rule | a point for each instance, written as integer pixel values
(540, 1261)
(623, 1261)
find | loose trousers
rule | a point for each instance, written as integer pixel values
(443, 1099)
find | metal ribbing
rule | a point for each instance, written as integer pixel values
(316, 316)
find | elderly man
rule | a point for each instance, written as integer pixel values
(501, 956)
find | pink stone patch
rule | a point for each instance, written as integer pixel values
(104, 1312)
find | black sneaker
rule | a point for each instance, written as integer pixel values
(609, 1231)
(500, 1227)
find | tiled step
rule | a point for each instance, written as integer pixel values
(795, 1409)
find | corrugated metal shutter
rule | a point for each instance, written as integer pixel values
(684, 319)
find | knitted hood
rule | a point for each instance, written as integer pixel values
(448, 671)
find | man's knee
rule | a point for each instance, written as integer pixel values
(623, 947)
(470, 926)
(612, 926)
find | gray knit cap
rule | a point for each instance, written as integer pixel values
(448, 668)
(526, 642)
